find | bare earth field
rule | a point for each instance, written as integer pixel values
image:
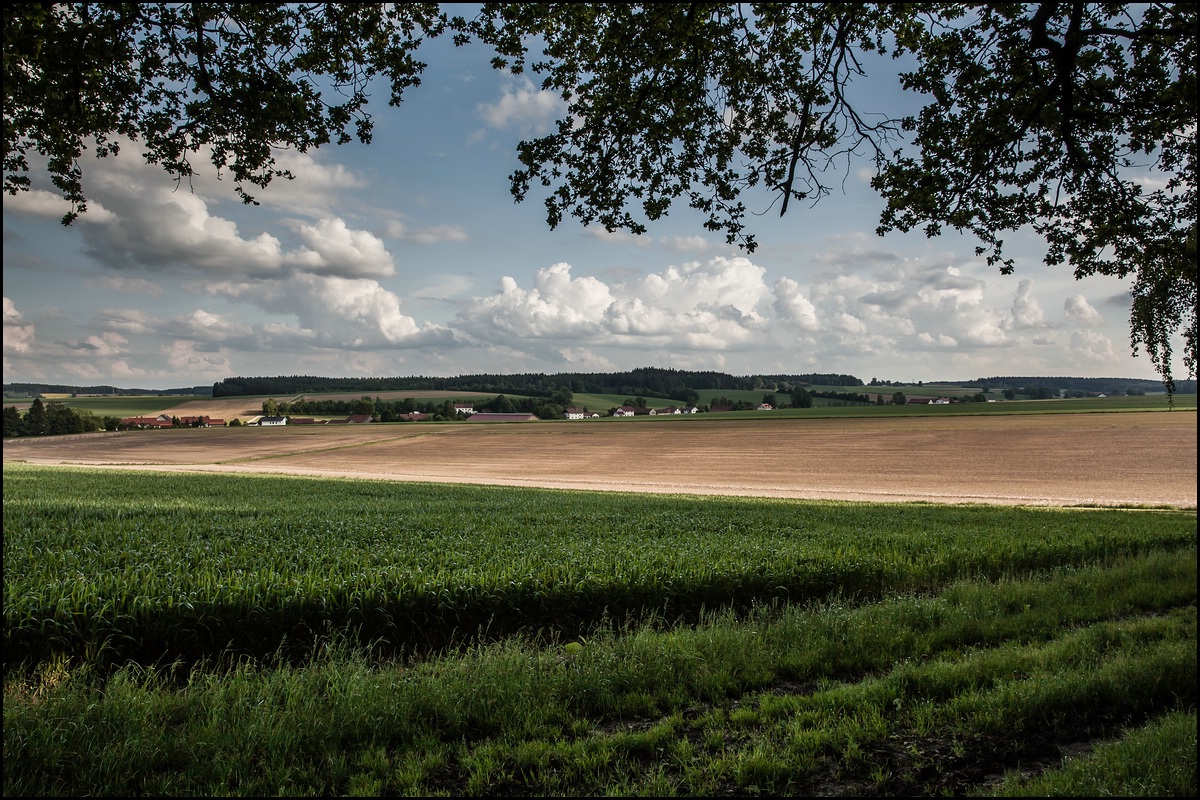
(1060, 460)
(1125, 458)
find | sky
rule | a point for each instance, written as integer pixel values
(409, 257)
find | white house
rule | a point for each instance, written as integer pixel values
(272, 421)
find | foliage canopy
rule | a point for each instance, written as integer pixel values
(1076, 120)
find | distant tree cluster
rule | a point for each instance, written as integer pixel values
(438, 411)
(725, 404)
(848, 397)
(1038, 392)
(51, 419)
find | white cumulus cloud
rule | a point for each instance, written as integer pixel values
(793, 307)
(334, 311)
(345, 252)
(523, 107)
(1026, 311)
(712, 304)
(106, 345)
(18, 334)
(1090, 347)
(1081, 311)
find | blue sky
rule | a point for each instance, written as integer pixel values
(408, 256)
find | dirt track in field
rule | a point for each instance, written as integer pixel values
(1054, 459)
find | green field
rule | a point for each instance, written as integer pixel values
(250, 635)
(138, 405)
(1181, 403)
(830, 408)
(119, 406)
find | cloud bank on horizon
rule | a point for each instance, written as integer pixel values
(408, 257)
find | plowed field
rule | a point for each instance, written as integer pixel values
(1058, 459)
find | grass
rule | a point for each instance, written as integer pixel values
(737, 646)
(1157, 759)
(119, 406)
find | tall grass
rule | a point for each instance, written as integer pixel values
(162, 566)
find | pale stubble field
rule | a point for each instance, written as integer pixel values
(1129, 458)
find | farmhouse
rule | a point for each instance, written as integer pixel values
(466, 409)
(161, 421)
(272, 421)
(167, 421)
(201, 422)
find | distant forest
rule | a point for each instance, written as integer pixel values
(647, 382)
(1110, 385)
(34, 389)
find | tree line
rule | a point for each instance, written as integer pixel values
(382, 410)
(650, 381)
(53, 418)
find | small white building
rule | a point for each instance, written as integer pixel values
(264, 421)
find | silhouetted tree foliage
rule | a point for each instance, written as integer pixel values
(1076, 120)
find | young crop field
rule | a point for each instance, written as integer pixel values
(254, 635)
(118, 406)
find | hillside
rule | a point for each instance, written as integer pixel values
(671, 384)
